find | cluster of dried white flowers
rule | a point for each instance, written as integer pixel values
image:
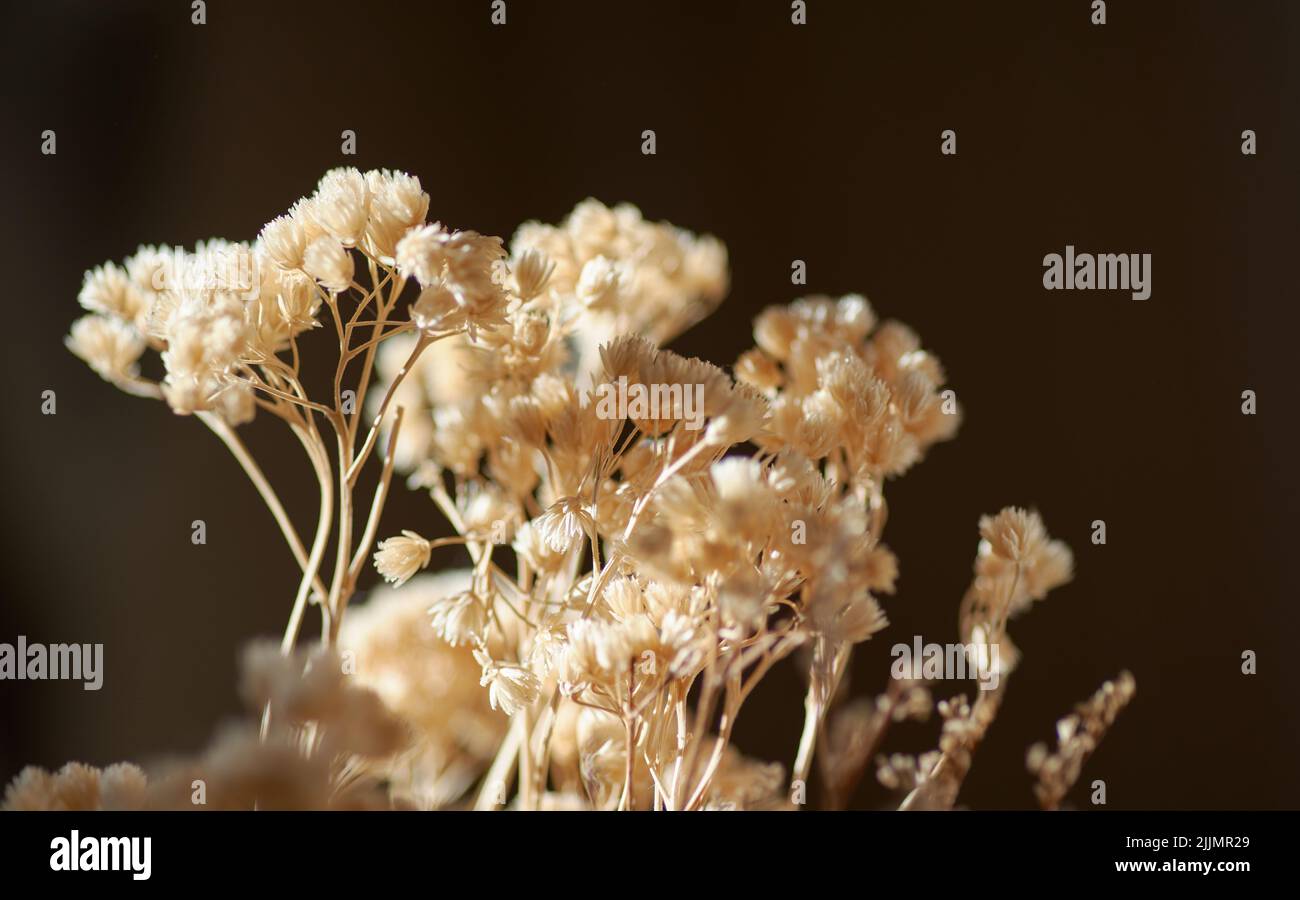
(631, 578)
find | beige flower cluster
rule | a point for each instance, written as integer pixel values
(78, 786)
(632, 574)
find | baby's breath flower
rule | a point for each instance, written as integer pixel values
(326, 260)
(564, 522)
(623, 599)
(598, 284)
(343, 205)
(433, 309)
(286, 305)
(1077, 736)
(744, 415)
(682, 644)
(401, 557)
(742, 598)
(597, 652)
(858, 620)
(628, 355)
(460, 619)
(879, 570)
(419, 253)
(487, 510)
(149, 267)
(285, 240)
(1014, 534)
(532, 269)
(510, 687)
(109, 291)
(746, 505)
(757, 369)
(109, 346)
(397, 203)
(1052, 567)
(533, 549)
(235, 403)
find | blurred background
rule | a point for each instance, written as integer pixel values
(818, 143)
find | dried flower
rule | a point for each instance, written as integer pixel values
(1077, 736)
(401, 557)
(109, 346)
(326, 260)
(532, 270)
(285, 239)
(1013, 534)
(397, 203)
(342, 205)
(564, 522)
(460, 619)
(419, 253)
(108, 290)
(633, 573)
(510, 687)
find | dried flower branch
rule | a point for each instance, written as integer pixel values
(646, 536)
(1077, 736)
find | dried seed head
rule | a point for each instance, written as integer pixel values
(326, 260)
(398, 558)
(510, 687)
(109, 346)
(342, 205)
(460, 619)
(1014, 534)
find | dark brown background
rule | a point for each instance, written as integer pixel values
(817, 142)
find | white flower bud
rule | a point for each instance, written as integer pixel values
(329, 263)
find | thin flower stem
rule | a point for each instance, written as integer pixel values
(368, 364)
(815, 706)
(371, 344)
(527, 800)
(812, 715)
(496, 779)
(629, 732)
(715, 758)
(308, 404)
(237, 447)
(350, 476)
(339, 593)
(377, 505)
(138, 387)
(316, 453)
(704, 709)
(311, 442)
(373, 293)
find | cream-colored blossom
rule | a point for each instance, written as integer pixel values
(109, 346)
(398, 558)
(1014, 534)
(108, 290)
(532, 270)
(510, 687)
(326, 260)
(419, 253)
(397, 203)
(342, 205)
(460, 619)
(285, 239)
(564, 522)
